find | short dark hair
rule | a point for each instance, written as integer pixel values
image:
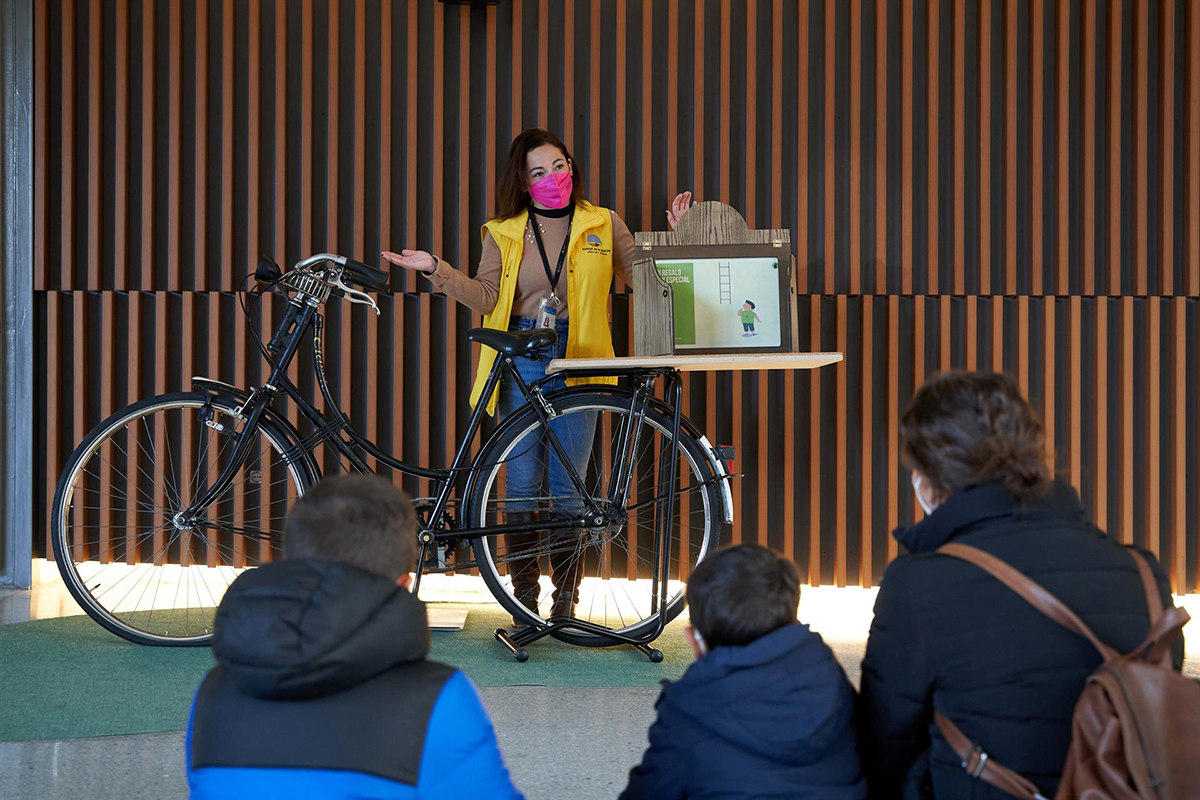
(749, 303)
(740, 593)
(361, 520)
(512, 187)
(964, 429)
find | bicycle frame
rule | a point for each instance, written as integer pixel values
(618, 505)
(432, 530)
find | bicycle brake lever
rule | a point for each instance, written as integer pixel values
(354, 295)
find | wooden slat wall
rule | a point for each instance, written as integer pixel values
(1001, 185)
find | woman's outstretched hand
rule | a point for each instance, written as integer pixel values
(416, 260)
(679, 206)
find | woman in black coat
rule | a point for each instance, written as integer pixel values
(948, 636)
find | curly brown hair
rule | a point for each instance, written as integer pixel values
(964, 429)
(512, 188)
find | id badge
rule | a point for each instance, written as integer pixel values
(547, 314)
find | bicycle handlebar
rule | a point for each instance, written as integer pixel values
(368, 277)
(318, 258)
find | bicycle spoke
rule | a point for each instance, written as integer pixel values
(621, 584)
(620, 597)
(116, 527)
(592, 608)
(121, 580)
(149, 569)
(124, 452)
(230, 551)
(201, 459)
(137, 542)
(105, 461)
(145, 588)
(152, 435)
(186, 606)
(213, 602)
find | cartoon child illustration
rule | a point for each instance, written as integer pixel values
(748, 317)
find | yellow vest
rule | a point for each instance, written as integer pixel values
(589, 279)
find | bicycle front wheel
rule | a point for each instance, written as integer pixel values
(123, 550)
(616, 562)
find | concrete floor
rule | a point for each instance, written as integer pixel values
(589, 759)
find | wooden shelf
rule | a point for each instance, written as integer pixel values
(705, 363)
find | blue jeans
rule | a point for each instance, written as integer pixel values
(534, 463)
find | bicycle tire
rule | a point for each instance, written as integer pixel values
(297, 471)
(491, 456)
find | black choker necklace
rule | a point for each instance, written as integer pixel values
(554, 213)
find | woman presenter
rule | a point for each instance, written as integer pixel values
(548, 262)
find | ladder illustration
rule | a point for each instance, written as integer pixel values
(724, 282)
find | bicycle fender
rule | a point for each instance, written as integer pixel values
(274, 418)
(714, 458)
(718, 465)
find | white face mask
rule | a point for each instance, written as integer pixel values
(917, 480)
(700, 641)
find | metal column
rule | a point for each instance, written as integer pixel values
(16, 289)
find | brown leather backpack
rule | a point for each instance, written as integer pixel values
(1136, 729)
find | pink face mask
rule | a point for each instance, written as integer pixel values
(553, 190)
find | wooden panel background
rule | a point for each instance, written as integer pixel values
(1009, 184)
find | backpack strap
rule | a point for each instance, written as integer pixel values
(1160, 651)
(1165, 626)
(1153, 599)
(1032, 592)
(979, 765)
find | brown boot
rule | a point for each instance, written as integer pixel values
(524, 572)
(530, 601)
(567, 567)
(564, 606)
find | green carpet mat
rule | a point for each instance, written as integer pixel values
(69, 678)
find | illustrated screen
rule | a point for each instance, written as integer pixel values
(724, 302)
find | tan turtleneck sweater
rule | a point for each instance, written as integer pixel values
(479, 293)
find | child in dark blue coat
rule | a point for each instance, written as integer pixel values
(766, 710)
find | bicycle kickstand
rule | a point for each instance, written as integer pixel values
(517, 641)
(422, 555)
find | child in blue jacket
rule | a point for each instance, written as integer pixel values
(322, 688)
(766, 710)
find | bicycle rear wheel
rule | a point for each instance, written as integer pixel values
(617, 561)
(123, 553)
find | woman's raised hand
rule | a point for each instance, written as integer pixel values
(416, 260)
(679, 206)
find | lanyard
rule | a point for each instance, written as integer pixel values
(562, 256)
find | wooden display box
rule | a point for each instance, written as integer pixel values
(713, 286)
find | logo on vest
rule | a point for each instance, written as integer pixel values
(594, 244)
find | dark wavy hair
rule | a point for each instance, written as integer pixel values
(964, 429)
(740, 593)
(512, 189)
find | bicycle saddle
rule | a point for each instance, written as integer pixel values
(513, 344)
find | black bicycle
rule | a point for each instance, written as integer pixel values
(165, 502)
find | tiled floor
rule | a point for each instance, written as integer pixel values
(45, 601)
